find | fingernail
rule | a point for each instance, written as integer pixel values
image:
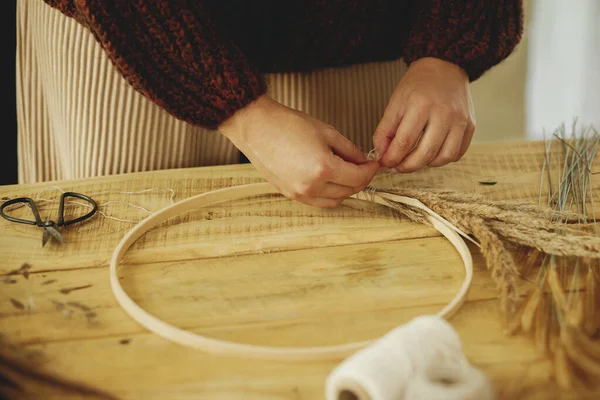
(373, 155)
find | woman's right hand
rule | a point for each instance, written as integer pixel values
(306, 159)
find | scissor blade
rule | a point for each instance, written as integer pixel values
(45, 237)
(50, 231)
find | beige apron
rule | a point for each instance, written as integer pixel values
(77, 117)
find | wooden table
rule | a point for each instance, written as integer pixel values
(262, 272)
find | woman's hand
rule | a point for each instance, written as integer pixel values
(433, 96)
(306, 159)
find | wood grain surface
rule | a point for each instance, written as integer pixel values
(263, 271)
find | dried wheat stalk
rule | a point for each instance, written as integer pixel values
(570, 283)
(496, 227)
(558, 242)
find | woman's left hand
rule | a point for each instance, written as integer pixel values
(432, 99)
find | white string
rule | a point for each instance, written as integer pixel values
(422, 359)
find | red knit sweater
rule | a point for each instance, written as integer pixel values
(202, 60)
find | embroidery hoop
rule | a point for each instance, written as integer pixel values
(221, 347)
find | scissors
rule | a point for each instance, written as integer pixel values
(51, 228)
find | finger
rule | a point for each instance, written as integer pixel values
(352, 175)
(386, 129)
(449, 152)
(406, 136)
(466, 140)
(320, 202)
(336, 191)
(315, 201)
(344, 148)
(428, 147)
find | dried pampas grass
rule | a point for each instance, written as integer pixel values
(555, 243)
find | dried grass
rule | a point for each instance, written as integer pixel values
(556, 242)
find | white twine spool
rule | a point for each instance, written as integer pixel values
(421, 360)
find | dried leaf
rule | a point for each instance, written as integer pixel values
(558, 293)
(575, 315)
(590, 346)
(17, 304)
(78, 305)
(530, 310)
(542, 323)
(570, 339)
(25, 267)
(562, 369)
(69, 290)
(590, 324)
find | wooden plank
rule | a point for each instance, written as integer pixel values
(265, 272)
(146, 366)
(241, 226)
(306, 296)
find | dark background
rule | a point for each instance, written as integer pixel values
(8, 146)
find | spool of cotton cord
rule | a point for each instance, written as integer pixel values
(421, 360)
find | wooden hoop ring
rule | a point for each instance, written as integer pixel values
(221, 347)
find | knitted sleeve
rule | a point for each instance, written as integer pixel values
(474, 34)
(173, 53)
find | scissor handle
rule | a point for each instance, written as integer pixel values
(61, 208)
(26, 200)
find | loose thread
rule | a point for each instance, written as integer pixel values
(369, 193)
(39, 197)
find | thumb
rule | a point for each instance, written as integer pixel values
(345, 149)
(370, 169)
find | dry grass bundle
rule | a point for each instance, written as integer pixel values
(556, 243)
(563, 312)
